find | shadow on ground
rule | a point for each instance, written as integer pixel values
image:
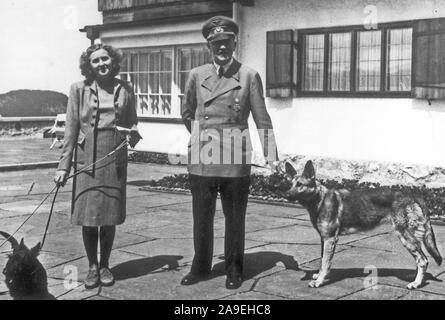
(406, 275)
(259, 262)
(141, 267)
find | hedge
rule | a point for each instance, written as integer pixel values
(273, 186)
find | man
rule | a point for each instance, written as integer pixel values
(218, 100)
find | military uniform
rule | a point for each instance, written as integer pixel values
(216, 111)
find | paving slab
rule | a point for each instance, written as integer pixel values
(377, 292)
(421, 295)
(288, 284)
(294, 233)
(154, 248)
(252, 295)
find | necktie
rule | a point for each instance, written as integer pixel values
(220, 71)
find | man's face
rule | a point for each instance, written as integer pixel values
(222, 50)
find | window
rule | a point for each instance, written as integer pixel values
(340, 61)
(314, 62)
(368, 60)
(399, 54)
(398, 59)
(159, 76)
(357, 54)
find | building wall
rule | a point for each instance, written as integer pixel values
(386, 129)
(158, 137)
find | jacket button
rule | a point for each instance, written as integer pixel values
(92, 124)
(94, 116)
(206, 117)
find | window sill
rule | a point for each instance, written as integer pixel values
(160, 120)
(355, 94)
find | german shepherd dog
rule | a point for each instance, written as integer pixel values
(25, 276)
(333, 212)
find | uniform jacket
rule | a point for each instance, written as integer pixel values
(216, 112)
(81, 114)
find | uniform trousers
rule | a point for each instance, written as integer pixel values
(234, 195)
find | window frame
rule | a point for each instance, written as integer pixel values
(175, 87)
(354, 29)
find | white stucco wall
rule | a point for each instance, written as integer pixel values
(397, 130)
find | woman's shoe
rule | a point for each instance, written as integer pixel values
(106, 277)
(92, 279)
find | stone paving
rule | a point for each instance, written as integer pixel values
(153, 249)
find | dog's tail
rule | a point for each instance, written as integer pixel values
(11, 239)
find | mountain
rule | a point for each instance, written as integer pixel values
(32, 103)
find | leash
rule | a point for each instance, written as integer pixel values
(57, 187)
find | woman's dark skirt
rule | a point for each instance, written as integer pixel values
(99, 194)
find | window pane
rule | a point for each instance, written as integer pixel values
(143, 83)
(143, 103)
(339, 61)
(166, 60)
(124, 63)
(154, 61)
(165, 105)
(153, 83)
(134, 62)
(154, 105)
(165, 82)
(399, 50)
(188, 59)
(368, 60)
(313, 62)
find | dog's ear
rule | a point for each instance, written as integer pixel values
(290, 169)
(309, 170)
(34, 252)
(22, 243)
(11, 239)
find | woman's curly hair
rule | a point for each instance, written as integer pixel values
(85, 66)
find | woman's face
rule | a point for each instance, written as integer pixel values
(101, 63)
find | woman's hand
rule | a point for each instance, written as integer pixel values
(133, 138)
(60, 178)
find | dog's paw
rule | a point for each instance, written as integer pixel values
(315, 276)
(413, 285)
(315, 284)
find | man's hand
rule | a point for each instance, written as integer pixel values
(60, 178)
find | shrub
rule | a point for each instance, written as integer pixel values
(273, 187)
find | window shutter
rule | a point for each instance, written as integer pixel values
(281, 64)
(429, 59)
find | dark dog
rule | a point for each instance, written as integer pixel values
(333, 212)
(25, 276)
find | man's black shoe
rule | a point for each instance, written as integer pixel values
(192, 278)
(234, 282)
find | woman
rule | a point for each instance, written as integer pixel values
(97, 107)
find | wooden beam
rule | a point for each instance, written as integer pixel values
(178, 11)
(113, 5)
